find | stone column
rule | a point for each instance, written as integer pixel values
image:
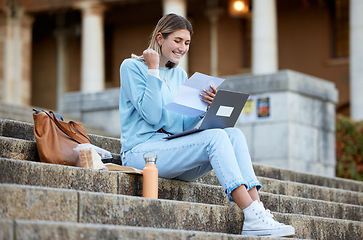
(175, 6)
(93, 54)
(61, 39)
(356, 59)
(213, 15)
(178, 7)
(15, 82)
(264, 37)
(61, 65)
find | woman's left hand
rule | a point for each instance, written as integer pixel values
(208, 96)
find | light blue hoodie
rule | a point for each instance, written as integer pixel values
(142, 97)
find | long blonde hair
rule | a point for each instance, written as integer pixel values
(168, 24)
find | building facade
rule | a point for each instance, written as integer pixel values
(50, 47)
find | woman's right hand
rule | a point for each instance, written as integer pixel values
(152, 58)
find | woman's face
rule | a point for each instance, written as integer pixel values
(174, 46)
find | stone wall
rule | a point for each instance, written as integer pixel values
(98, 109)
(298, 133)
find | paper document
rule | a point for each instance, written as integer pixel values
(187, 101)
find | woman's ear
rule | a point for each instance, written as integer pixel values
(159, 39)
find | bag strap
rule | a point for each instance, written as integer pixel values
(60, 126)
(71, 124)
(68, 132)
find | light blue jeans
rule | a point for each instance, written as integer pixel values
(190, 157)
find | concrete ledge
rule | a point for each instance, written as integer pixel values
(284, 80)
(97, 109)
(91, 101)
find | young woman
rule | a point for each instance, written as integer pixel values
(151, 81)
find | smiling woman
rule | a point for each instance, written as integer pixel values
(148, 83)
(161, 33)
(174, 46)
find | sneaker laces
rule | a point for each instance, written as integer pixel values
(270, 216)
(261, 215)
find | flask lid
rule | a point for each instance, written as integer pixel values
(150, 157)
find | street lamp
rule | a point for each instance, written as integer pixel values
(238, 8)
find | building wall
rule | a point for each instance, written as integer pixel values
(44, 73)
(199, 53)
(304, 43)
(128, 33)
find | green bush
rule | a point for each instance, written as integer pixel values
(349, 148)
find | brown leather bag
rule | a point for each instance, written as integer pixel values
(56, 139)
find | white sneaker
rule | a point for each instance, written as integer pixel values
(259, 222)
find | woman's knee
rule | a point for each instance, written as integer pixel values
(217, 134)
(228, 134)
(235, 134)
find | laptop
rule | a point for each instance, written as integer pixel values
(223, 112)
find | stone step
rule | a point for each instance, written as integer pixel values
(23, 130)
(16, 131)
(318, 207)
(303, 190)
(33, 173)
(40, 203)
(14, 148)
(29, 230)
(25, 114)
(293, 176)
(57, 176)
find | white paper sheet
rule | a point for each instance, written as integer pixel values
(187, 101)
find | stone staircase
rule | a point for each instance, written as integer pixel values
(25, 114)
(47, 201)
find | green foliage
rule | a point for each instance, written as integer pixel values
(349, 148)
